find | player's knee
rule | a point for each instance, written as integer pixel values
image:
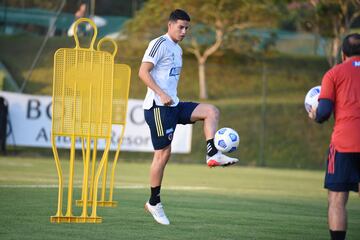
(337, 199)
(160, 160)
(163, 155)
(213, 112)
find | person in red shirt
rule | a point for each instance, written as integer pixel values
(340, 93)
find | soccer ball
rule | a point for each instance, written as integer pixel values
(311, 98)
(226, 140)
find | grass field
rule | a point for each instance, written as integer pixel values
(202, 203)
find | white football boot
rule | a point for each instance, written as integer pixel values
(219, 159)
(157, 212)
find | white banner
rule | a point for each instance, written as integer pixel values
(30, 125)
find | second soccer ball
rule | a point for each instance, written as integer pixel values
(226, 140)
(311, 98)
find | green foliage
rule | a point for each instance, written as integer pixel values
(50, 5)
(340, 11)
(290, 75)
(215, 24)
(124, 8)
(149, 21)
(2, 80)
(329, 19)
(17, 53)
(321, 17)
(206, 16)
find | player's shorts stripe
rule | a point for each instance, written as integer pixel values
(159, 128)
(160, 123)
(161, 131)
(156, 121)
(331, 158)
(156, 46)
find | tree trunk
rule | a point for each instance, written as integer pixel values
(316, 44)
(202, 80)
(335, 51)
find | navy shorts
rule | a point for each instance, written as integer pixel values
(342, 171)
(162, 121)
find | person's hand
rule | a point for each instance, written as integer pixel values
(312, 113)
(166, 99)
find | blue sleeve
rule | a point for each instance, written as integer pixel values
(324, 110)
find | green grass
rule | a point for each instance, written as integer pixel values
(202, 203)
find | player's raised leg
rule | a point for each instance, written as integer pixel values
(210, 115)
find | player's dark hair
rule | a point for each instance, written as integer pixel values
(351, 45)
(179, 14)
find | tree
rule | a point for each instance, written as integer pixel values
(46, 4)
(331, 19)
(337, 16)
(213, 22)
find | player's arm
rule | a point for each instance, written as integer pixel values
(145, 76)
(323, 112)
(326, 99)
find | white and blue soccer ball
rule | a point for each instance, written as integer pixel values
(226, 140)
(311, 98)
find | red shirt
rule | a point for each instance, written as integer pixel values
(341, 84)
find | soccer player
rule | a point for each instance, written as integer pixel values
(340, 93)
(160, 71)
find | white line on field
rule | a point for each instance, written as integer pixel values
(16, 164)
(184, 188)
